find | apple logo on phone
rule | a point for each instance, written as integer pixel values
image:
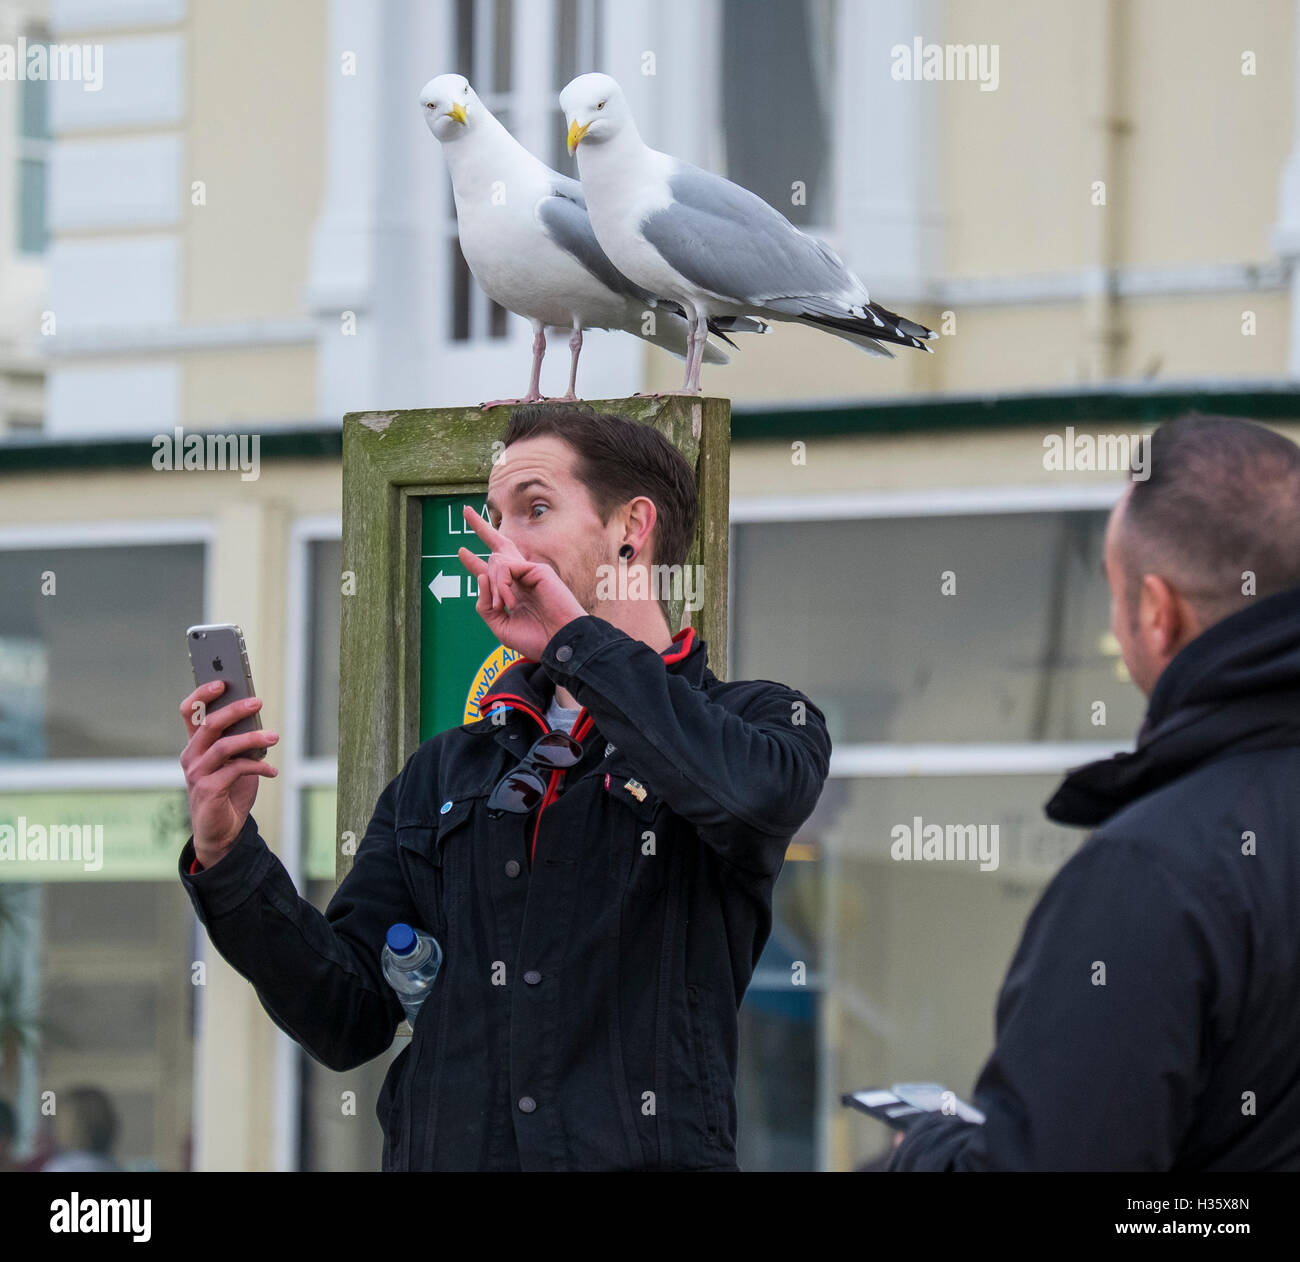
(217, 666)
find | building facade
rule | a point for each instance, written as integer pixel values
(247, 228)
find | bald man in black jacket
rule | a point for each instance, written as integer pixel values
(1150, 1018)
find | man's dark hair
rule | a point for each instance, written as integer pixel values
(1222, 497)
(617, 460)
(8, 1121)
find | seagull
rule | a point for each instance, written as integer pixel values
(526, 237)
(710, 245)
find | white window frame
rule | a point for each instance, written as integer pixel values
(299, 772)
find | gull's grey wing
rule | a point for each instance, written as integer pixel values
(567, 186)
(731, 242)
(564, 218)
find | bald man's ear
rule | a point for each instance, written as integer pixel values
(1166, 621)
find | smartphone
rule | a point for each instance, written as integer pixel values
(218, 651)
(903, 1103)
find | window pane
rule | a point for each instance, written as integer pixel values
(460, 283)
(329, 1137)
(777, 1074)
(325, 603)
(598, 32)
(776, 79)
(776, 1080)
(917, 949)
(32, 237)
(854, 614)
(93, 661)
(105, 1015)
(499, 317)
(502, 40)
(566, 42)
(568, 34)
(32, 109)
(465, 39)
(559, 158)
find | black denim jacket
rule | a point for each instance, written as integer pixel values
(595, 952)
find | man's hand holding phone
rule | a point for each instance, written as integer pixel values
(221, 771)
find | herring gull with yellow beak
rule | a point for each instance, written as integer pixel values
(717, 249)
(526, 237)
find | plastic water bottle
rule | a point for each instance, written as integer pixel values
(411, 961)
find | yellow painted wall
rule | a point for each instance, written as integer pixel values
(256, 138)
(244, 387)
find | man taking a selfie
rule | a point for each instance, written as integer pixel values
(601, 896)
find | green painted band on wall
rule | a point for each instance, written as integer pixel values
(1138, 403)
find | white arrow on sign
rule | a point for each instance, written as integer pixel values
(445, 585)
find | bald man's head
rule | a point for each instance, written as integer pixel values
(1222, 503)
(1212, 529)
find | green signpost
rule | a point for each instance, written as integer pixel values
(459, 657)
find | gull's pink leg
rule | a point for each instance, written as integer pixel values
(534, 395)
(697, 335)
(575, 349)
(695, 356)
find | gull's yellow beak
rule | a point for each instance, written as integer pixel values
(576, 134)
(457, 112)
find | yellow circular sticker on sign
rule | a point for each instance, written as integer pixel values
(495, 664)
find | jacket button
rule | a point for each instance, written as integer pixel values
(527, 1104)
(563, 653)
(532, 977)
(512, 867)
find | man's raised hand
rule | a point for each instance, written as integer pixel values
(524, 603)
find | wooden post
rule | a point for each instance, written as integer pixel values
(394, 460)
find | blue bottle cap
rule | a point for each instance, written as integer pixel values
(401, 939)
